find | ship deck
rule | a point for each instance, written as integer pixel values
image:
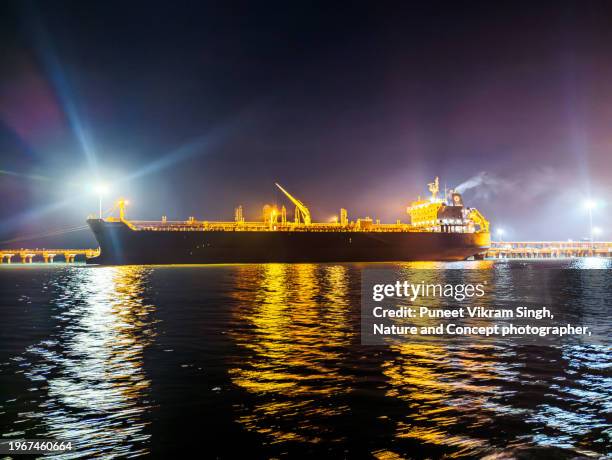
(210, 226)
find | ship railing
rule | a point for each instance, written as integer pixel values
(192, 226)
(265, 226)
(289, 226)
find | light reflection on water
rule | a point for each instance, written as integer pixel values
(89, 376)
(452, 396)
(297, 380)
(294, 350)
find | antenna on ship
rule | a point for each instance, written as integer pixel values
(434, 188)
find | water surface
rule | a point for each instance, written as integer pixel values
(266, 360)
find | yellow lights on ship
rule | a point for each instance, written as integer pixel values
(334, 219)
(122, 203)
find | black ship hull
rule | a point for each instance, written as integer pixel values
(121, 245)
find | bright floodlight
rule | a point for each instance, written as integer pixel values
(596, 231)
(590, 204)
(500, 231)
(101, 189)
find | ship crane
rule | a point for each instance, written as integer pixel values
(301, 211)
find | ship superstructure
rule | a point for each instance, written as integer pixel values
(445, 214)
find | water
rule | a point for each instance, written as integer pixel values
(265, 360)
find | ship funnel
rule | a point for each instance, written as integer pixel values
(456, 198)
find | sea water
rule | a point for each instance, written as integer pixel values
(266, 361)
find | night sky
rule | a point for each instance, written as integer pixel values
(191, 108)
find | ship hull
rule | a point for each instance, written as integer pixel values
(121, 245)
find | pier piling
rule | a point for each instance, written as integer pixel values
(28, 256)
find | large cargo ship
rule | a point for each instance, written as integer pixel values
(440, 229)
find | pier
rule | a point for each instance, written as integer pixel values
(548, 249)
(498, 250)
(27, 256)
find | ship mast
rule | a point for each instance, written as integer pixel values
(434, 188)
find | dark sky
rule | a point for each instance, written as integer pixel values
(190, 108)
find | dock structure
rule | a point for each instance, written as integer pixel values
(548, 249)
(27, 256)
(498, 250)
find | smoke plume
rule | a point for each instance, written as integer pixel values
(485, 185)
(538, 183)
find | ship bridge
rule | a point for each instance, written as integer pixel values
(445, 214)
